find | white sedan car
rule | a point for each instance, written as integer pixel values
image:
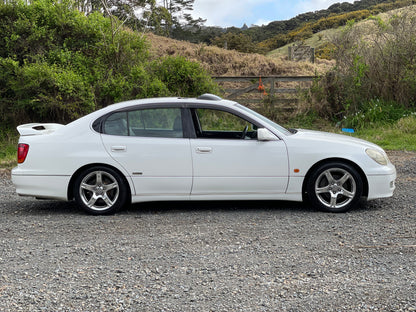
(166, 149)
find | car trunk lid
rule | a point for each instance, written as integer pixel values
(38, 128)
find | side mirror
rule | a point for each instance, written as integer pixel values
(265, 135)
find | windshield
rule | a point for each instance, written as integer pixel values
(266, 120)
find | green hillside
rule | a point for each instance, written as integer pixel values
(324, 38)
(316, 41)
(262, 39)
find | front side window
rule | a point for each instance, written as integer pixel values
(152, 122)
(266, 120)
(218, 124)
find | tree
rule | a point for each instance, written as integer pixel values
(158, 19)
(163, 17)
(239, 42)
(182, 20)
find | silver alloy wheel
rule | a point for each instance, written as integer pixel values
(335, 188)
(99, 190)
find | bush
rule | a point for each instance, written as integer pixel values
(183, 78)
(57, 64)
(239, 42)
(51, 93)
(325, 51)
(275, 42)
(375, 76)
(378, 61)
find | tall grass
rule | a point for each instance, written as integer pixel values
(8, 149)
(375, 113)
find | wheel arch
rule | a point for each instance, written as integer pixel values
(70, 190)
(342, 160)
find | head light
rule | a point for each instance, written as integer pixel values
(377, 156)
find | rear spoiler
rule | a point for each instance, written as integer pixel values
(38, 128)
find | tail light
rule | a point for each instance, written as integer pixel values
(22, 150)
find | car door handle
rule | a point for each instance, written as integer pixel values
(203, 150)
(118, 148)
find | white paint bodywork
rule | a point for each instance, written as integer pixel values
(157, 166)
(238, 167)
(189, 168)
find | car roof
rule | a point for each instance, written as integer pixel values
(205, 99)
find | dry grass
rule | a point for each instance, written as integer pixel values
(220, 62)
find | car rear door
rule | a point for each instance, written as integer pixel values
(149, 143)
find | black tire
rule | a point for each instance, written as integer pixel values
(100, 190)
(334, 187)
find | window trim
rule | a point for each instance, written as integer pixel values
(98, 124)
(188, 127)
(195, 122)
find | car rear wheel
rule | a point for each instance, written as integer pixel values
(100, 190)
(335, 187)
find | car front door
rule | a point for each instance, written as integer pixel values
(229, 160)
(150, 145)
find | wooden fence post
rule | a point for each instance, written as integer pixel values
(272, 85)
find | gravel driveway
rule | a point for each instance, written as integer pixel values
(216, 256)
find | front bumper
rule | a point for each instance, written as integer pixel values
(381, 186)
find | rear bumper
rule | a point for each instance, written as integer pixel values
(53, 187)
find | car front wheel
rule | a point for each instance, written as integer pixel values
(100, 190)
(335, 187)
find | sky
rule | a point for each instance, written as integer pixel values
(227, 13)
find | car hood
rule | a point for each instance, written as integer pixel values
(328, 137)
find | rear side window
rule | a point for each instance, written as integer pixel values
(116, 124)
(152, 122)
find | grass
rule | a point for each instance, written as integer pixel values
(400, 135)
(390, 139)
(8, 150)
(221, 62)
